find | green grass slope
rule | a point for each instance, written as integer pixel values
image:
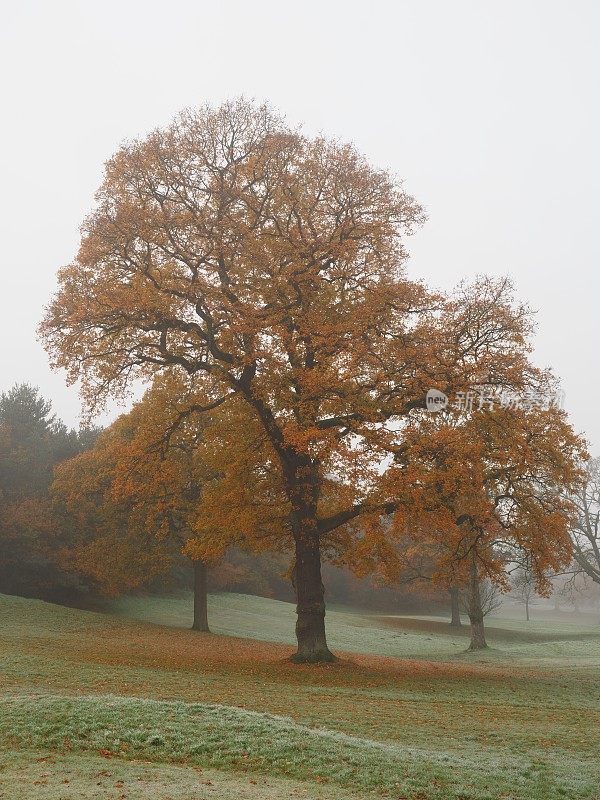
(24, 775)
(420, 637)
(133, 704)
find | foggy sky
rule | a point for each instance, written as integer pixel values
(488, 110)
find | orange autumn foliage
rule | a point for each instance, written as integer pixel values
(487, 488)
(137, 498)
(232, 252)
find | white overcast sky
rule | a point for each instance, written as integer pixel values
(489, 111)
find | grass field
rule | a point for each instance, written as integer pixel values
(129, 703)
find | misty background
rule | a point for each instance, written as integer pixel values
(488, 111)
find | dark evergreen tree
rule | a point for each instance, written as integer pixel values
(32, 442)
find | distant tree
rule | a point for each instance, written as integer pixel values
(493, 484)
(488, 598)
(491, 597)
(151, 489)
(577, 589)
(485, 477)
(32, 442)
(585, 531)
(523, 588)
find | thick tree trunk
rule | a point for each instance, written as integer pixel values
(455, 620)
(478, 641)
(303, 488)
(200, 597)
(310, 598)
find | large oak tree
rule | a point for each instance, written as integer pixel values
(230, 246)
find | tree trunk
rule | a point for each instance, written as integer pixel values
(310, 598)
(200, 597)
(527, 610)
(303, 488)
(476, 611)
(455, 620)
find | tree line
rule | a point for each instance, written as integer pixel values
(32, 442)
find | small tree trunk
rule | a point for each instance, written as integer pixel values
(455, 620)
(476, 611)
(200, 597)
(527, 610)
(310, 597)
